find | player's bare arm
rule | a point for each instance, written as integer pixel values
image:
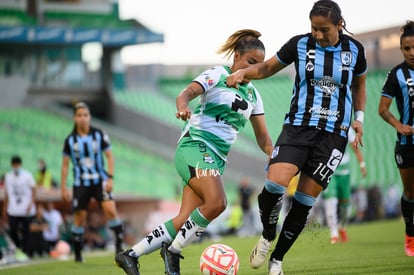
(189, 93)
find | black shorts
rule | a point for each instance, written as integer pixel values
(83, 194)
(315, 152)
(404, 156)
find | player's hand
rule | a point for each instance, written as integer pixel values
(404, 129)
(183, 114)
(363, 171)
(109, 185)
(357, 126)
(235, 79)
(65, 194)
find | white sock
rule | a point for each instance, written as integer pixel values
(152, 241)
(331, 215)
(189, 231)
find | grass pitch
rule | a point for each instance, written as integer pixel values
(373, 248)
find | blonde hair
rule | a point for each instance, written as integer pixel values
(241, 40)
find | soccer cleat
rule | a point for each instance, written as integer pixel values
(127, 262)
(171, 260)
(78, 257)
(275, 267)
(343, 235)
(334, 240)
(409, 246)
(259, 253)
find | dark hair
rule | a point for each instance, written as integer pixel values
(329, 9)
(80, 105)
(16, 160)
(242, 41)
(407, 30)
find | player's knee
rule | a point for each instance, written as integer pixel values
(217, 206)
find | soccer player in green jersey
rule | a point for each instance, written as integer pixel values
(202, 149)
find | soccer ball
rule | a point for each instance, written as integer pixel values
(219, 259)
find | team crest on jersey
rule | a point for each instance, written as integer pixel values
(207, 158)
(310, 66)
(346, 58)
(327, 84)
(250, 94)
(410, 85)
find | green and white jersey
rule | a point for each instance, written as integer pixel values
(222, 111)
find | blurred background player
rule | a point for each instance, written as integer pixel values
(246, 191)
(37, 226)
(337, 197)
(400, 85)
(54, 221)
(202, 150)
(43, 176)
(85, 147)
(19, 203)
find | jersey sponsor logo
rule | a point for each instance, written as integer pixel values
(212, 172)
(344, 128)
(399, 159)
(209, 81)
(327, 84)
(93, 176)
(310, 54)
(275, 152)
(324, 113)
(334, 159)
(87, 162)
(326, 170)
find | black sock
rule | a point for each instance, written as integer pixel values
(77, 240)
(293, 225)
(118, 233)
(269, 205)
(407, 209)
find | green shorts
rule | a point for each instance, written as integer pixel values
(339, 187)
(194, 158)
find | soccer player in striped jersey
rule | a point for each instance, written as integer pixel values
(329, 86)
(400, 85)
(201, 153)
(85, 147)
